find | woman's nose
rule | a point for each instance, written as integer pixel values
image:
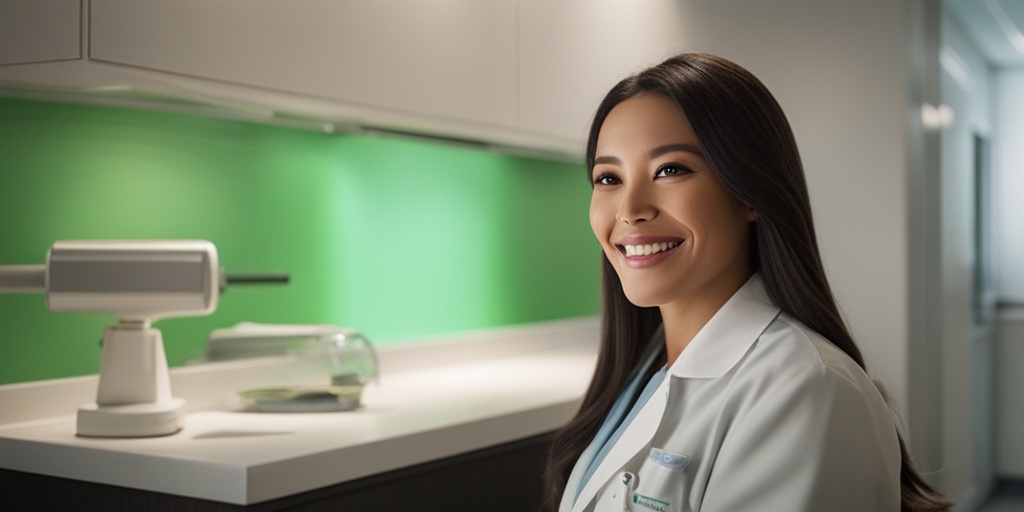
(636, 206)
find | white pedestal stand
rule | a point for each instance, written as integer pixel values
(134, 396)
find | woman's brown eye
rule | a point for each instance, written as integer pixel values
(671, 170)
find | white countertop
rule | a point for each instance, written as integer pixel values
(435, 400)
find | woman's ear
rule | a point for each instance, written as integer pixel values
(751, 214)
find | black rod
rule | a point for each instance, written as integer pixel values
(258, 278)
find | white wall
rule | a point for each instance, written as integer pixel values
(1008, 177)
(1008, 167)
(966, 356)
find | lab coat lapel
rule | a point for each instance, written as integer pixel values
(636, 437)
(653, 350)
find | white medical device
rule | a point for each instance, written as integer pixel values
(139, 282)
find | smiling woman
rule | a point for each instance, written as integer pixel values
(727, 380)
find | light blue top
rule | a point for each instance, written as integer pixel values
(618, 419)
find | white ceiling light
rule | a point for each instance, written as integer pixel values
(936, 118)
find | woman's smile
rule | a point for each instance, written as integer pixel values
(644, 251)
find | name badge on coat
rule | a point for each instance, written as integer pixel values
(657, 487)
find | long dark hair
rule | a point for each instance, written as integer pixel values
(748, 143)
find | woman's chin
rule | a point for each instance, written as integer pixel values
(643, 298)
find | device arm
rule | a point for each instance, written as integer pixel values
(22, 278)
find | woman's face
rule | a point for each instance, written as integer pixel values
(668, 226)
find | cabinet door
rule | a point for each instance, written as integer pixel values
(573, 51)
(40, 30)
(454, 59)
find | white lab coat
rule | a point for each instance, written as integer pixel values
(758, 413)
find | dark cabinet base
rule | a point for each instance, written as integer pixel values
(496, 479)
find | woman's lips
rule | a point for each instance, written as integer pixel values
(638, 254)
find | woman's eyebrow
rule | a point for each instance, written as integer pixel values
(654, 153)
(669, 148)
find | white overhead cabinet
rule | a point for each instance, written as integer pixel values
(452, 59)
(513, 74)
(571, 52)
(40, 31)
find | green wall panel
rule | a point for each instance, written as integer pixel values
(401, 239)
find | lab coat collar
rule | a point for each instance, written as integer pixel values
(723, 341)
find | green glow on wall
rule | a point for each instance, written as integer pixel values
(398, 238)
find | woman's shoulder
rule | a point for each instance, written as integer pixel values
(790, 354)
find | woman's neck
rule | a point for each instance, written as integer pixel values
(684, 318)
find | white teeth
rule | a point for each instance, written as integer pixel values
(648, 249)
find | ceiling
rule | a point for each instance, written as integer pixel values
(996, 26)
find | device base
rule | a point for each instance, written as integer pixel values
(134, 420)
